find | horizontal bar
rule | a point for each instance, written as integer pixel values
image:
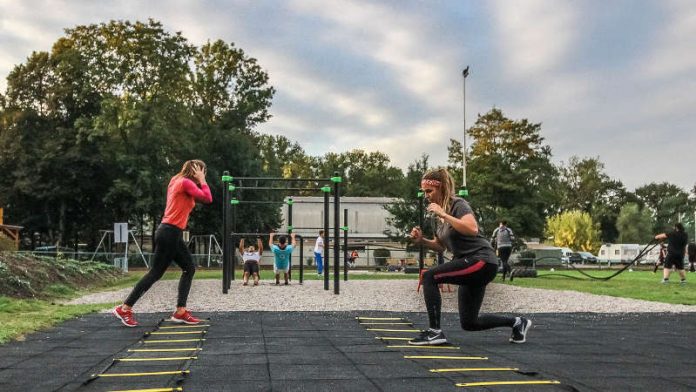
(448, 357)
(260, 234)
(151, 390)
(406, 323)
(489, 383)
(281, 179)
(474, 370)
(271, 188)
(392, 330)
(427, 347)
(178, 333)
(149, 341)
(390, 338)
(162, 350)
(154, 359)
(260, 202)
(184, 326)
(378, 318)
(166, 373)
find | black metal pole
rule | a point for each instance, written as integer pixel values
(301, 259)
(421, 249)
(230, 277)
(337, 231)
(225, 227)
(326, 190)
(290, 232)
(345, 244)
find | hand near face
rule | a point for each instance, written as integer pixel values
(199, 175)
(436, 209)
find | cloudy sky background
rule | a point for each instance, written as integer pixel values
(614, 80)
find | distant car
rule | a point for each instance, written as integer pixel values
(565, 255)
(582, 257)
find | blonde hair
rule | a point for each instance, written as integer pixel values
(446, 185)
(190, 167)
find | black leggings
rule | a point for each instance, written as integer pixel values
(472, 278)
(169, 245)
(504, 254)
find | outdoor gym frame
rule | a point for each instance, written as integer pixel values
(228, 209)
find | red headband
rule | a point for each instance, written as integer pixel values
(430, 182)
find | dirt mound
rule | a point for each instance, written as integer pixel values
(29, 276)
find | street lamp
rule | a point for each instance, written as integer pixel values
(463, 192)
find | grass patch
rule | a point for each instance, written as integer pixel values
(21, 316)
(637, 285)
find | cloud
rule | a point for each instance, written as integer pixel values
(535, 35)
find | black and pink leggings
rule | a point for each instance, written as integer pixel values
(471, 275)
(169, 246)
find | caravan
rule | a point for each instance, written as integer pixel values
(618, 253)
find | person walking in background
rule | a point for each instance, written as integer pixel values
(282, 253)
(502, 240)
(352, 258)
(319, 252)
(184, 190)
(251, 257)
(691, 253)
(677, 240)
(473, 264)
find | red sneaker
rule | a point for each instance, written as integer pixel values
(126, 316)
(185, 318)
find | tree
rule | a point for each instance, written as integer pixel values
(586, 187)
(405, 211)
(127, 103)
(667, 204)
(634, 224)
(510, 174)
(364, 174)
(574, 229)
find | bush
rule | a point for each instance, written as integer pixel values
(381, 255)
(6, 243)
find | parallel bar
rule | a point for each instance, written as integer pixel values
(427, 347)
(172, 341)
(162, 350)
(392, 330)
(179, 333)
(448, 357)
(271, 188)
(474, 370)
(379, 318)
(151, 390)
(283, 179)
(154, 359)
(184, 326)
(490, 383)
(166, 373)
(406, 323)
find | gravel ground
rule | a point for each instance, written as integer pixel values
(387, 295)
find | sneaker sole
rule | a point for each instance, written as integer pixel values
(524, 333)
(118, 316)
(435, 342)
(180, 321)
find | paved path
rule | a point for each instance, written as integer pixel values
(331, 351)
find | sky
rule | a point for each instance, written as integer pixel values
(609, 79)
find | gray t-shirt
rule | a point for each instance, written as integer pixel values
(463, 245)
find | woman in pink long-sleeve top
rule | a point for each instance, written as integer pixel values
(184, 190)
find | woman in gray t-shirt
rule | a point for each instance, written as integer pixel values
(473, 266)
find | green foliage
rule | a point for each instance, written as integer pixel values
(510, 174)
(405, 211)
(586, 187)
(667, 203)
(91, 132)
(634, 224)
(574, 229)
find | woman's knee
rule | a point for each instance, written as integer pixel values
(469, 325)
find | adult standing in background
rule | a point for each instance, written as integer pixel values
(502, 240)
(319, 252)
(691, 252)
(184, 190)
(677, 240)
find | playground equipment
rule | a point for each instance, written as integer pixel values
(325, 185)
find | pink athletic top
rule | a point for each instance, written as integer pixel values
(182, 195)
